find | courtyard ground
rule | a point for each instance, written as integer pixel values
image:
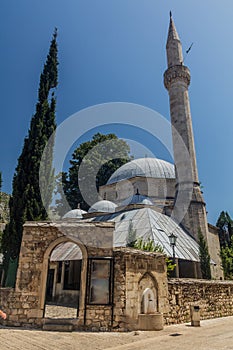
(214, 334)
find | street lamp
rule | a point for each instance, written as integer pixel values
(172, 240)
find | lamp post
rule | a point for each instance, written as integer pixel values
(172, 240)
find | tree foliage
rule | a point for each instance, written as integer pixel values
(103, 152)
(131, 237)
(25, 202)
(0, 211)
(4, 207)
(204, 256)
(225, 225)
(150, 246)
(226, 254)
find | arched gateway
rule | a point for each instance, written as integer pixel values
(65, 273)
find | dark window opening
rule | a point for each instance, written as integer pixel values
(72, 274)
(59, 271)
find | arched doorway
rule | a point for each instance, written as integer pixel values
(64, 281)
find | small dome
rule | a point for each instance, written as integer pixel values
(137, 199)
(103, 206)
(144, 167)
(74, 214)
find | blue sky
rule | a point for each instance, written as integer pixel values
(114, 50)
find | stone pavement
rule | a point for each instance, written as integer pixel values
(56, 311)
(214, 334)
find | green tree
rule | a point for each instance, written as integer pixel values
(131, 237)
(25, 203)
(0, 212)
(204, 256)
(226, 254)
(104, 152)
(225, 225)
(150, 246)
(4, 207)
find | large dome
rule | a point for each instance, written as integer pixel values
(145, 167)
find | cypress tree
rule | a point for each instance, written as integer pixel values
(225, 225)
(131, 237)
(25, 203)
(204, 256)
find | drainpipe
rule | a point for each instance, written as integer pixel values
(112, 289)
(85, 303)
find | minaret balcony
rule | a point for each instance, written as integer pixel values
(176, 73)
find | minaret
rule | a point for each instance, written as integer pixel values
(189, 206)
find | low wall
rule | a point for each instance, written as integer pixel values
(21, 308)
(215, 299)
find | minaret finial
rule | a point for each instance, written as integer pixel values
(170, 14)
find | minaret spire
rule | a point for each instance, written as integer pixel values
(174, 47)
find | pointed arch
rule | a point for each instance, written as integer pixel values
(147, 281)
(151, 276)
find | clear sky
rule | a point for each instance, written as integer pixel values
(114, 50)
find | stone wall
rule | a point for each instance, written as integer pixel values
(214, 249)
(215, 299)
(155, 188)
(22, 309)
(98, 318)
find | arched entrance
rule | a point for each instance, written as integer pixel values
(64, 281)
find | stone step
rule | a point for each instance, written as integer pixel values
(57, 327)
(58, 324)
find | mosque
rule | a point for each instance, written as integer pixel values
(82, 264)
(156, 198)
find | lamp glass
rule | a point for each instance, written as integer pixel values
(172, 239)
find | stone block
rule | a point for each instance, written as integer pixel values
(14, 318)
(25, 305)
(150, 322)
(35, 313)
